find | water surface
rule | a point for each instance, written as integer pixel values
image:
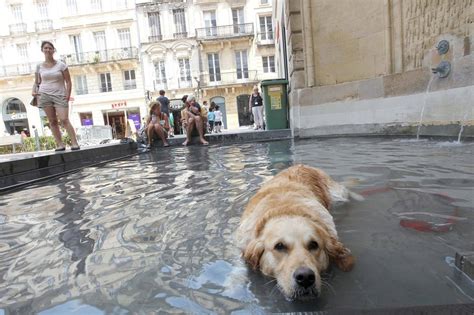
(154, 233)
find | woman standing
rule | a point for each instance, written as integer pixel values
(53, 89)
(256, 107)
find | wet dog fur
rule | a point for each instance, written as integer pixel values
(287, 232)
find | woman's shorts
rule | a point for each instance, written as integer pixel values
(52, 100)
(218, 123)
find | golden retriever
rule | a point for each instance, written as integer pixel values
(287, 232)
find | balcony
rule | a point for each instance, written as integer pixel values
(265, 39)
(155, 38)
(17, 69)
(229, 78)
(17, 29)
(44, 25)
(180, 35)
(94, 57)
(225, 31)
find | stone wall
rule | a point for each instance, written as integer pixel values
(348, 40)
(366, 68)
(423, 21)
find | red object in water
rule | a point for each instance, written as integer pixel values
(424, 226)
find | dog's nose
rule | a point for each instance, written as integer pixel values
(304, 277)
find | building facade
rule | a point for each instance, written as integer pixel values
(98, 40)
(217, 50)
(120, 53)
(367, 68)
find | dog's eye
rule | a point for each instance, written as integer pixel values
(313, 245)
(280, 246)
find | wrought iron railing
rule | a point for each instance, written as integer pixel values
(100, 56)
(18, 69)
(225, 31)
(228, 77)
(155, 38)
(180, 35)
(18, 28)
(44, 25)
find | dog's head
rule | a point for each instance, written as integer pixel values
(295, 250)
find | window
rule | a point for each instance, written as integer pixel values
(214, 67)
(43, 9)
(71, 6)
(76, 43)
(105, 82)
(268, 64)
(86, 119)
(266, 28)
(241, 63)
(238, 20)
(210, 23)
(129, 82)
(155, 28)
(125, 42)
(179, 23)
(184, 72)
(16, 13)
(160, 72)
(100, 46)
(22, 50)
(80, 84)
(124, 37)
(263, 1)
(96, 5)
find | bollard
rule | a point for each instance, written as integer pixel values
(37, 142)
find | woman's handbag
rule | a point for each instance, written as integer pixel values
(34, 101)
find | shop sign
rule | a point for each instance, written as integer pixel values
(15, 116)
(119, 104)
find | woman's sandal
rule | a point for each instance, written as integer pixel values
(60, 149)
(75, 148)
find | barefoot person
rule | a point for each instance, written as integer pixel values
(157, 124)
(194, 120)
(52, 88)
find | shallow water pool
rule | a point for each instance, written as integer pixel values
(154, 233)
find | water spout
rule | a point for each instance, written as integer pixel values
(443, 69)
(462, 128)
(423, 108)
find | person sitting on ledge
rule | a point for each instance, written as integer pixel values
(157, 124)
(194, 120)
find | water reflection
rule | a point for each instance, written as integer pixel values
(73, 237)
(154, 233)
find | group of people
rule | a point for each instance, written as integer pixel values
(214, 118)
(52, 92)
(194, 120)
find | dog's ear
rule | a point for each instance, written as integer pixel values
(340, 255)
(253, 252)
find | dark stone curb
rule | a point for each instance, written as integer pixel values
(19, 171)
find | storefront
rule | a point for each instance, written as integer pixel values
(14, 116)
(117, 117)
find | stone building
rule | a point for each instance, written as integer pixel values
(367, 68)
(120, 53)
(215, 49)
(99, 43)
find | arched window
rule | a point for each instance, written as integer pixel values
(14, 106)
